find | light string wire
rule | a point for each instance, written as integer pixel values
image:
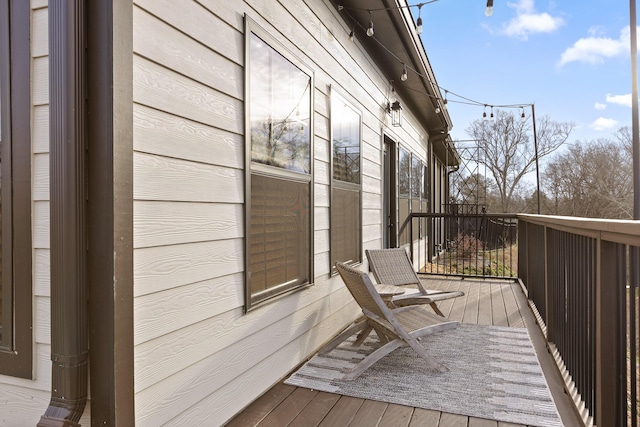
(465, 100)
(418, 5)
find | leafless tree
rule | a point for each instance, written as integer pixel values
(592, 179)
(509, 152)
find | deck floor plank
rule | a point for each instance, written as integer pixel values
(289, 408)
(262, 406)
(343, 412)
(396, 416)
(459, 304)
(369, 414)
(471, 307)
(485, 309)
(313, 414)
(425, 417)
(514, 317)
(481, 422)
(498, 310)
(453, 420)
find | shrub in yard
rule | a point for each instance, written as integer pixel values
(467, 246)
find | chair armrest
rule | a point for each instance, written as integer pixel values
(415, 298)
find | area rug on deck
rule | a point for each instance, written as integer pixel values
(493, 374)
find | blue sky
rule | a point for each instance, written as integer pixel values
(571, 58)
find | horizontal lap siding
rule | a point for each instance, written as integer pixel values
(198, 357)
(188, 194)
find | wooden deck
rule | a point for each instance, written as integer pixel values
(486, 302)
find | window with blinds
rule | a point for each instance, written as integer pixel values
(279, 237)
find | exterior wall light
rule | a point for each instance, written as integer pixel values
(396, 113)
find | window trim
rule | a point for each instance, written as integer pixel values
(16, 358)
(334, 183)
(404, 199)
(251, 26)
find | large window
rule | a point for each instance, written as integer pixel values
(15, 190)
(346, 219)
(279, 255)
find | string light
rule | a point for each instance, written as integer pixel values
(370, 29)
(489, 10)
(522, 116)
(491, 113)
(484, 113)
(404, 75)
(419, 21)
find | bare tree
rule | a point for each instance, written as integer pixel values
(470, 189)
(509, 152)
(592, 179)
(624, 138)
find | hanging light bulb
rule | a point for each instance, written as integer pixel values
(419, 21)
(484, 113)
(370, 29)
(438, 110)
(522, 116)
(445, 99)
(489, 10)
(491, 112)
(404, 75)
(351, 35)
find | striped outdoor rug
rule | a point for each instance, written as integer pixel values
(493, 374)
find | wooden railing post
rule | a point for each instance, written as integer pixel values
(522, 252)
(550, 246)
(607, 337)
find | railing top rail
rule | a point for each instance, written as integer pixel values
(613, 230)
(458, 215)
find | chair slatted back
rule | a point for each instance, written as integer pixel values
(392, 267)
(362, 289)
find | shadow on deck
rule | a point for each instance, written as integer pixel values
(486, 302)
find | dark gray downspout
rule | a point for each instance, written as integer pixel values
(67, 137)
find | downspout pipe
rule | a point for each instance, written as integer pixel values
(68, 189)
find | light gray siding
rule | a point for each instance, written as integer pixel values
(198, 357)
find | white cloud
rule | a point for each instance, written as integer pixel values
(597, 30)
(619, 99)
(600, 106)
(523, 6)
(527, 21)
(602, 123)
(594, 50)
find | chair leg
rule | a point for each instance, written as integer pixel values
(435, 308)
(362, 335)
(431, 361)
(368, 361)
(356, 327)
